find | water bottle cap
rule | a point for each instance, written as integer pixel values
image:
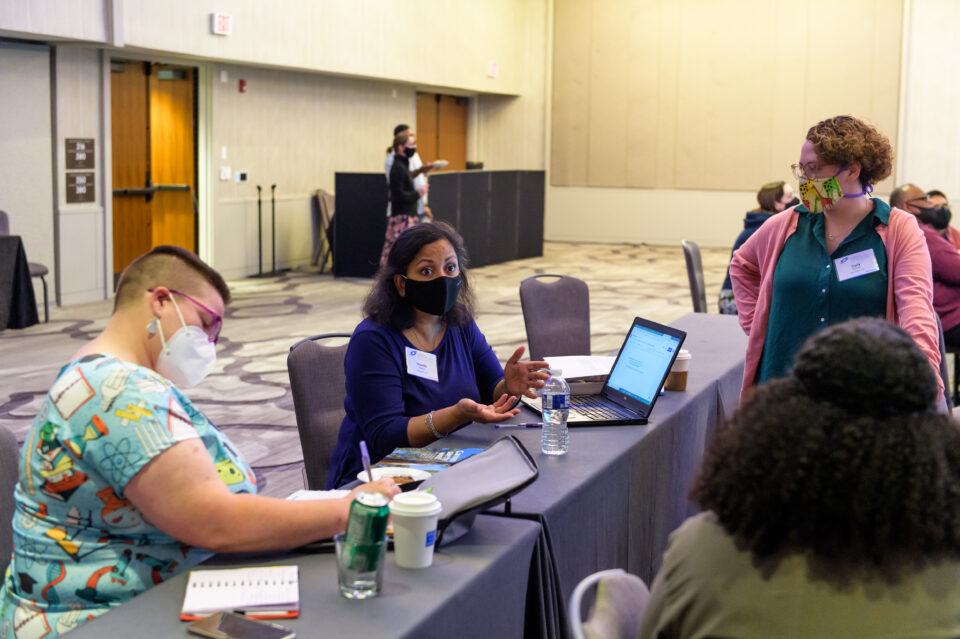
(556, 372)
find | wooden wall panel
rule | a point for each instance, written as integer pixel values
(692, 94)
(452, 133)
(426, 126)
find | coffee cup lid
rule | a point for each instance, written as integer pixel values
(683, 354)
(415, 503)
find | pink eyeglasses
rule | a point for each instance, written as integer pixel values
(212, 331)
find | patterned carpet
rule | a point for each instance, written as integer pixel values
(248, 394)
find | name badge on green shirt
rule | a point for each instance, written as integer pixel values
(856, 264)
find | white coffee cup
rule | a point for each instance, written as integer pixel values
(414, 528)
(677, 379)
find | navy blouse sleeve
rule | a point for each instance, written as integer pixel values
(486, 366)
(374, 372)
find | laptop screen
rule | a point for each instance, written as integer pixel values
(643, 363)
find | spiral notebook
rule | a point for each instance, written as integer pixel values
(265, 592)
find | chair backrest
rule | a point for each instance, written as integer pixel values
(556, 315)
(944, 369)
(4, 223)
(698, 292)
(319, 388)
(617, 608)
(9, 467)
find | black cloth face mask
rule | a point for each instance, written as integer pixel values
(938, 217)
(434, 297)
(410, 151)
(792, 202)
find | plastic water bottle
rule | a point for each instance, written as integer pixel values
(555, 398)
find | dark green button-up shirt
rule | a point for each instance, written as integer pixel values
(807, 294)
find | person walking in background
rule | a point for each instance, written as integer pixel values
(838, 255)
(403, 195)
(772, 198)
(418, 171)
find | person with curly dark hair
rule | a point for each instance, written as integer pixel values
(831, 504)
(836, 256)
(417, 366)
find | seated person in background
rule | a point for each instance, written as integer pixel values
(939, 199)
(934, 220)
(123, 482)
(418, 171)
(772, 198)
(832, 505)
(417, 366)
(403, 195)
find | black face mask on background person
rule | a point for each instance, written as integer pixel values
(434, 297)
(938, 217)
(410, 151)
(792, 202)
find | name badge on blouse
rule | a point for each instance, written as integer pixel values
(422, 364)
(856, 264)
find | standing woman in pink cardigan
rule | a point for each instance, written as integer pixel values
(840, 254)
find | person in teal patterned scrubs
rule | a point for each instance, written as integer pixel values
(123, 483)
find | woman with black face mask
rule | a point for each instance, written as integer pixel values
(403, 195)
(418, 367)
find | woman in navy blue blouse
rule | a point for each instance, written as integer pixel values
(417, 366)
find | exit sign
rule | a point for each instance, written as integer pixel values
(221, 24)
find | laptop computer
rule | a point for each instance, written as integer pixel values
(635, 380)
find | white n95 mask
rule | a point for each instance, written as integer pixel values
(188, 357)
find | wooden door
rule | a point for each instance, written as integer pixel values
(154, 158)
(442, 129)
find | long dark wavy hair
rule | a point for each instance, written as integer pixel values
(384, 304)
(846, 461)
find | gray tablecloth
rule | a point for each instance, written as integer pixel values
(615, 497)
(476, 587)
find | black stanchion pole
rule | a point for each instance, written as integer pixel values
(273, 229)
(259, 232)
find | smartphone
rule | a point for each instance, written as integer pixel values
(230, 625)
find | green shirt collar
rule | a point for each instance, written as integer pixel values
(881, 210)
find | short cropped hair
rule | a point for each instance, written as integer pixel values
(844, 140)
(769, 195)
(400, 128)
(169, 266)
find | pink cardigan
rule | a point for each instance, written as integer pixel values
(909, 284)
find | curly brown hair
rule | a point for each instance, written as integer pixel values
(385, 306)
(844, 140)
(846, 461)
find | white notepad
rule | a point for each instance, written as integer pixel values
(262, 592)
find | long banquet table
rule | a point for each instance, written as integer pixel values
(486, 570)
(612, 501)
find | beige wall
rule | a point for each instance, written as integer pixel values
(930, 141)
(443, 43)
(57, 19)
(26, 181)
(691, 94)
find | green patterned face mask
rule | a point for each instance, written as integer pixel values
(819, 194)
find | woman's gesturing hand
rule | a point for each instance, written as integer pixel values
(523, 377)
(486, 413)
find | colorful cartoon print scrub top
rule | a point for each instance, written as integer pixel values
(80, 547)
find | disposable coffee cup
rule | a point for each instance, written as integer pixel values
(677, 378)
(414, 528)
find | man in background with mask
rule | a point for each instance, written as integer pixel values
(939, 198)
(123, 482)
(934, 219)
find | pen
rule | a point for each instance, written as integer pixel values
(365, 456)
(531, 425)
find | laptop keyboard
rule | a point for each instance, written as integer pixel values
(595, 407)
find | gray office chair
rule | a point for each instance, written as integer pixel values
(556, 315)
(698, 291)
(617, 609)
(36, 269)
(9, 467)
(319, 388)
